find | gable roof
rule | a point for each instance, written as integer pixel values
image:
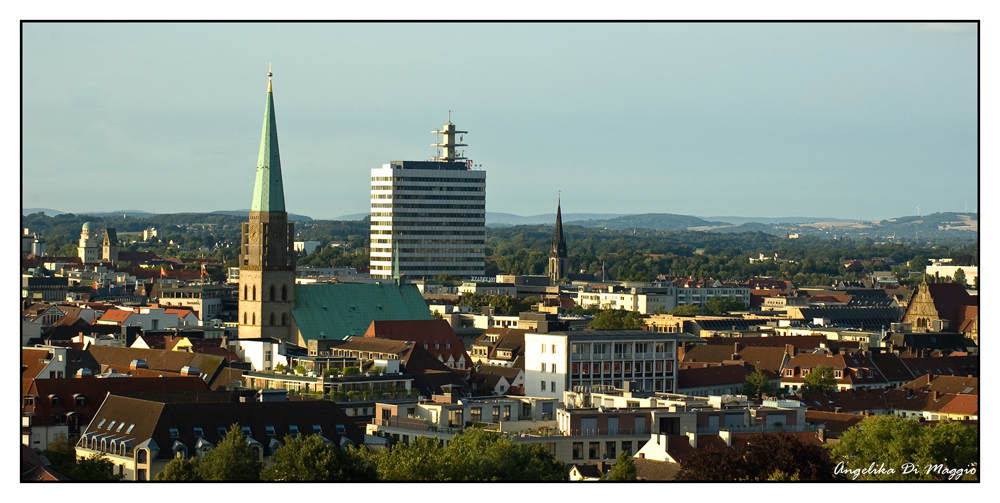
(715, 376)
(116, 316)
(340, 310)
(833, 422)
(158, 359)
(653, 470)
(766, 358)
(32, 362)
(962, 404)
(435, 335)
(891, 367)
(944, 384)
(429, 374)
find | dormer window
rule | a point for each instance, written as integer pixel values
(317, 429)
(174, 432)
(54, 399)
(293, 429)
(246, 430)
(110, 426)
(437, 345)
(341, 429)
(80, 400)
(222, 431)
(120, 426)
(101, 423)
(789, 372)
(129, 430)
(447, 345)
(198, 432)
(29, 401)
(837, 374)
(269, 430)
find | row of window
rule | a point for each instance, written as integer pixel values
(400, 214)
(643, 384)
(425, 179)
(54, 400)
(431, 241)
(618, 368)
(272, 291)
(272, 319)
(471, 269)
(434, 234)
(424, 197)
(552, 387)
(112, 426)
(429, 189)
(477, 414)
(553, 367)
(428, 224)
(269, 430)
(594, 449)
(431, 206)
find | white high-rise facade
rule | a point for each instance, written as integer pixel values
(432, 213)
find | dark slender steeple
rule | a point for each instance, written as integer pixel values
(558, 255)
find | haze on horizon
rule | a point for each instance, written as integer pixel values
(846, 120)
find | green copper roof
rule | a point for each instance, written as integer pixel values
(339, 310)
(268, 194)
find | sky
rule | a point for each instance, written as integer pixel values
(845, 120)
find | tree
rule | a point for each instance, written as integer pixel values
(436, 315)
(819, 380)
(616, 319)
(61, 453)
(757, 384)
(624, 469)
(722, 305)
(232, 459)
(180, 470)
(686, 310)
(279, 367)
(763, 457)
(97, 467)
(474, 455)
(960, 278)
(893, 441)
(311, 459)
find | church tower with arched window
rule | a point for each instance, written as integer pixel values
(267, 259)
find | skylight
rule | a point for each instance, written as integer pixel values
(129, 430)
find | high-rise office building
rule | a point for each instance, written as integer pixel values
(432, 213)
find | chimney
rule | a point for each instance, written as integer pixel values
(821, 434)
(693, 439)
(138, 364)
(727, 437)
(736, 348)
(641, 455)
(937, 395)
(84, 373)
(190, 370)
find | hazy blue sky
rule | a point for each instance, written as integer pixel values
(863, 120)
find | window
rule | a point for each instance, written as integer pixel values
(837, 374)
(174, 432)
(269, 430)
(437, 345)
(246, 430)
(577, 450)
(543, 385)
(609, 449)
(553, 368)
(140, 474)
(284, 296)
(80, 400)
(317, 429)
(543, 349)
(496, 414)
(293, 429)
(506, 412)
(112, 425)
(447, 345)
(805, 372)
(100, 424)
(789, 372)
(554, 387)
(341, 430)
(129, 430)
(29, 401)
(55, 400)
(594, 450)
(120, 426)
(222, 431)
(477, 414)
(141, 456)
(553, 349)
(627, 447)
(543, 367)
(59, 419)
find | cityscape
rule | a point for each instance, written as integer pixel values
(575, 332)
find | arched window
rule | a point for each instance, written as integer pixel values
(284, 292)
(255, 292)
(272, 294)
(244, 292)
(140, 456)
(272, 319)
(284, 318)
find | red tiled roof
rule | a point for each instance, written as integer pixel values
(430, 332)
(944, 384)
(715, 376)
(31, 362)
(962, 404)
(117, 316)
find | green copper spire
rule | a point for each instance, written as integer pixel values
(268, 193)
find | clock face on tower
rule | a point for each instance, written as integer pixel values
(253, 233)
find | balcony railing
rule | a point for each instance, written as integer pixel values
(758, 428)
(605, 432)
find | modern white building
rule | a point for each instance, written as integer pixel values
(89, 249)
(640, 300)
(600, 359)
(433, 213)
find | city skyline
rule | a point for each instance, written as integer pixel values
(751, 119)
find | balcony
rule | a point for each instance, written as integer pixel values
(590, 432)
(580, 357)
(758, 428)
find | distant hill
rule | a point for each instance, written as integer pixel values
(242, 213)
(779, 220)
(654, 221)
(47, 211)
(496, 219)
(352, 216)
(146, 214)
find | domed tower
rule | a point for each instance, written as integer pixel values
(267, 260)
(89, 249)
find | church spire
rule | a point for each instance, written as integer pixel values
(558, 243)
(268, 192)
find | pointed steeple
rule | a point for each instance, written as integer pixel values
(558, 243)
(268, 192)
